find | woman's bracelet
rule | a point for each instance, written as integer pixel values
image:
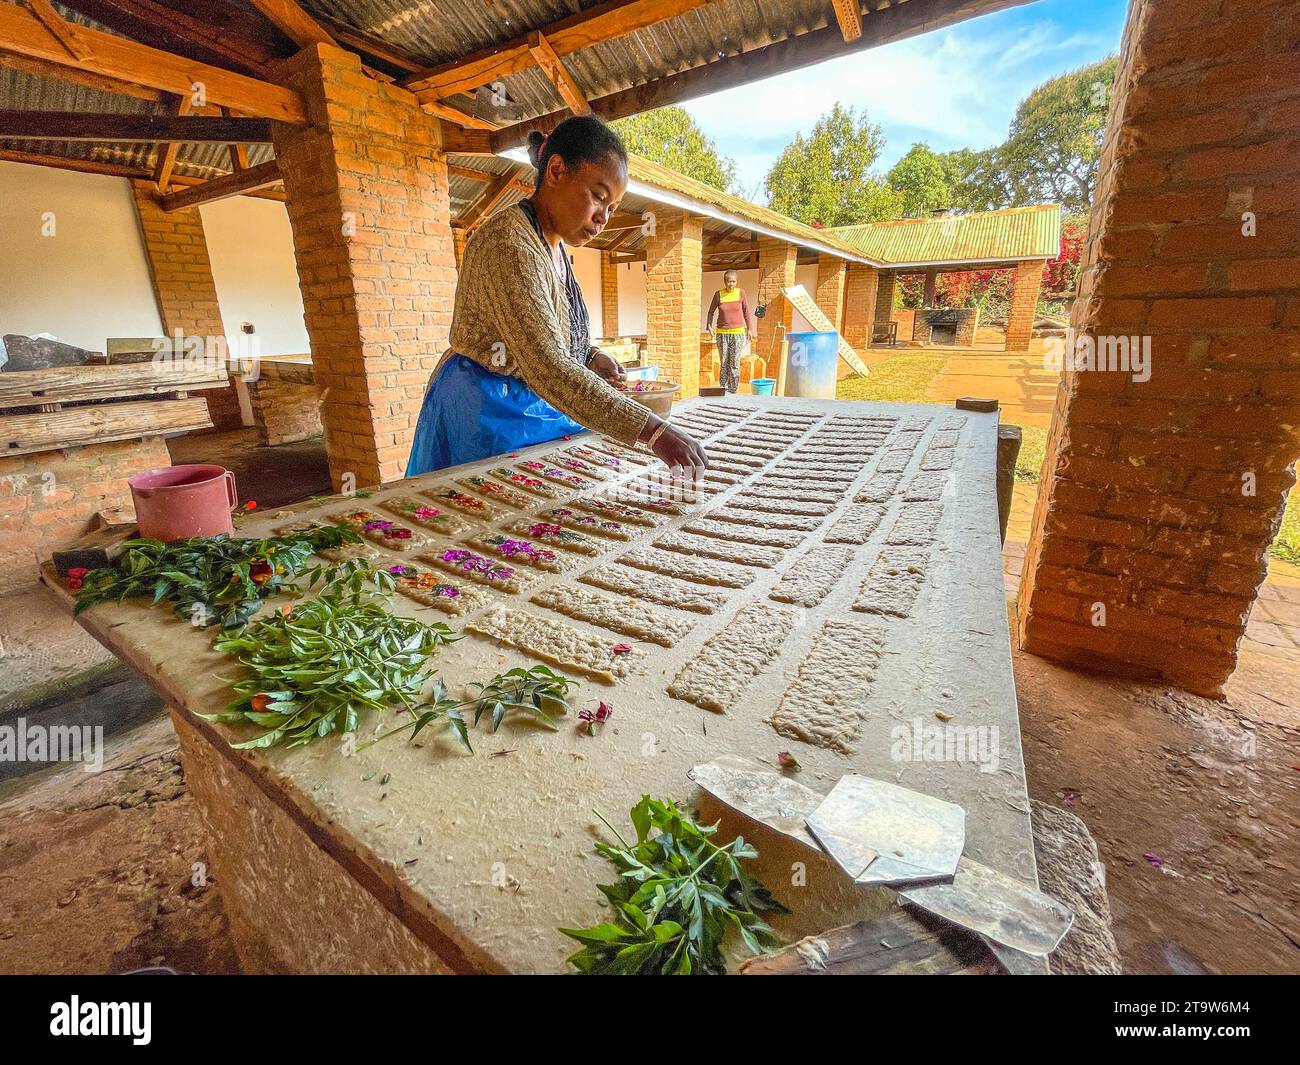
(659, 431)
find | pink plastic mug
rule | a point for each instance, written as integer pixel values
(175, 502)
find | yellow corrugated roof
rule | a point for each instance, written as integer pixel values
(669, 180)
(981, 236)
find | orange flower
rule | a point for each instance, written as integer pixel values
(260, 702)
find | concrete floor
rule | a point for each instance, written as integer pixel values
(1194, 803)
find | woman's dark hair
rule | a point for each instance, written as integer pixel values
(577, 140)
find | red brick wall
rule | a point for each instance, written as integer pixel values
(285, 411)
(885, 296)
(366, 185)
(177, 252)
(1144, 509)
(777, 260)
(829, 297)
(608, 296)
(860, 289)
(674, 275)
(1025, 285)
(48, 500)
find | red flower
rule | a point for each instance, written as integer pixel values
(76, 576)
(260, 572)
(251, 505)
(622, 648)
(260, 702)
(599, 716)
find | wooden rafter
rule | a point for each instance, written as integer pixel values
(23, 33)
(239, 183)
(60, 27)
(461, 141)
(238, 152)
(293, 22)
(94, 166)
(484, 205)
(461, 118)
(178, 127)
(848, 13)
(793, 53)
(604, 22)
(544, 56)
(42, 69)
(162, 171)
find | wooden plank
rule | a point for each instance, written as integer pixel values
(179, 127)
(899, 943)
(604, 22)
(43, 69)
(848, 13)
(23, 33)
(544, 56)
(359, 42)
(454, 114)
(294, 22)
(93, 166)
(68, 384)
(807, 306)
(794, 53)
(491, 196)
(24, 434)
(57, 25)
(225, 36)
(234, 184)
(468, 141)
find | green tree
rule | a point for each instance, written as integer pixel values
(669, 136)
(826, 177)
(1052, 152)
(921, 178)
(976, 179)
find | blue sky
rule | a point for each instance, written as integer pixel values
(957, 88)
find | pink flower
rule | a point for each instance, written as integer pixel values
(592, 718)
(398, 571)
(455, 555)
(427, 513)
(543, 528)
(622, 648)
(447, 591)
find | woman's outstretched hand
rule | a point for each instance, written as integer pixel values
(676, 448)
(607, 367)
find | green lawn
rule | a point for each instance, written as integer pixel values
(905, 379)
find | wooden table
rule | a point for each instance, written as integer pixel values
(428, 859)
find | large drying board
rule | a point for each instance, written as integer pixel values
(482, 857)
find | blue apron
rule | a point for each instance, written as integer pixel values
(471, 413)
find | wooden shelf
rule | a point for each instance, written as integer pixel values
(23, 434)
(69, 384)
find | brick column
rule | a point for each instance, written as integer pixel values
(177, 252)
(674, 277)
(885, 296)
(1161, 496)
(860, 305)
(1024, 304)
(829, 297)
(776, 271)
(366, 184)
(608, 295)
(931, 283)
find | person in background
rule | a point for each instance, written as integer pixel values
(521, 368)
(731, 324)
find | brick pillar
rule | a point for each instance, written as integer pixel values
(860, 305)
(885, 296)
(177, 252)
(776, 271)
(608, 295)
(366, 185)
(931, 283)
(1024, 304)
(829, 297)
(1160, 497)
(674, 278)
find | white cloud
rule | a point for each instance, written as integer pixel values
(955, 88)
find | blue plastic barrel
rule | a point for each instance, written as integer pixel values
(762, 386)
(810, 366)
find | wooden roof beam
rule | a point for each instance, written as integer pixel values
(293, 22)
(22, 33)
(544, 56)
(59, 26)
(894, 23)
(604, 22)
(483, 206)
(94, 166)
(238, 183)
(162, 171)
(848, 13)
(179, 127)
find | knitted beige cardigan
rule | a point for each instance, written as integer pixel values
(512, 317)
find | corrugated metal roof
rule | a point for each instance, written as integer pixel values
(983, 236)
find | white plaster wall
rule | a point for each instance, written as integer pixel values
(586, 266)
(250, 245)
(88, 281)
(631, 299)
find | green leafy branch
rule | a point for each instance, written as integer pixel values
(677, 897)
(218, 578)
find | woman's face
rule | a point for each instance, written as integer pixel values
(579, 202)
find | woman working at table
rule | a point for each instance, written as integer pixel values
(521, 369)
